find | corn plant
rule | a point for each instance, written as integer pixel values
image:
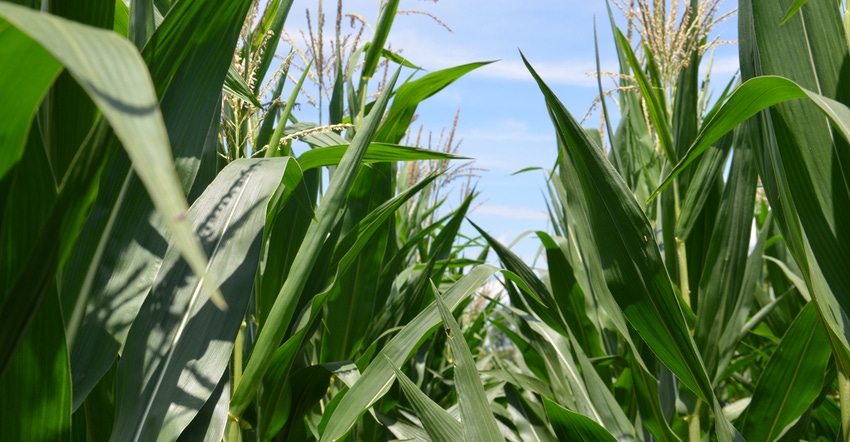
(657, 317)
(127, 314)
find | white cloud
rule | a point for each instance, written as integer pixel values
(561, 72)
(512, 212)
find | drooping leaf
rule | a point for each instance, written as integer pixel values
(573, 426)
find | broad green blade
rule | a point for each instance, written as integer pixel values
(569, 296)
(376, 153)
(25, 84)
(179, 346)
(273, 331)
(71, 113)
(791, 380)
(752, 97)
(738, 324)
(121, 247)
(36, 272)
(804, 162)
(703, 179)
(410, 94)
(439, 424)
(35, 392)
(725, 262)
(382, 31)
(378, 376)
(352, 306)
(526, 418)
(634, 271)
(573, 426)
(476, 418)
(210, 422)
(114, 76)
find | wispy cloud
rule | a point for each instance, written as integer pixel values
(570, 73)
(521, 213)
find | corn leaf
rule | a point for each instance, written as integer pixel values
(791, 380)
(475, 415)
(635, 273)
(440, 425)
(378, 376)
(573, 426)
(121, 247)
(284, 306)
(35, 393)
(179, 346)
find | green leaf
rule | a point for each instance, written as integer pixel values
(791, 380)
(573, 426)
(35, 392)
(378, 376)
(803, 161)
(382, 31)
(793, 10)
(235, 85)
(127, 101)
(272, 332)
(122, 245)
(440, 425)
(25, 85)
(475, 415)
(725, 262)
(654, 103)
(376, 153)
(179, 346)
(634, 271)
(410, 94)
(748, 99)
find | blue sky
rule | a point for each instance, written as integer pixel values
(503, 121)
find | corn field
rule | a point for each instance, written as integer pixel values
(172, 267)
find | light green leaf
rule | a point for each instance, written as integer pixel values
(475, 415)
(172, 362)
(382, 31)
(272, 332)
(24, 86)
(376, 153)
(115, 77)
(573, 426)
(378, 376)
(439, 424)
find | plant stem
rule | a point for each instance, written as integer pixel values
(844, 399)
(694, 434)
